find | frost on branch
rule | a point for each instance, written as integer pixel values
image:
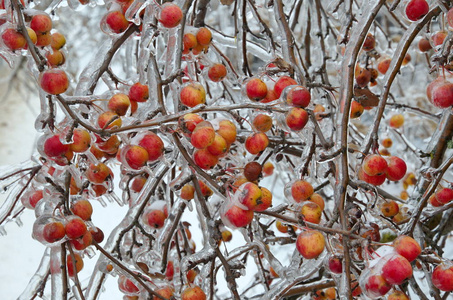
(258, 149)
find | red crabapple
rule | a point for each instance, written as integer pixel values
(119, 103)
(156, 218)
(317, 198)
(13, 39)
(439, 37)
(53, 232)
(398, 295)
(256, 142)
(34, 198)
(442, 94)
(98, 173)
(127, 286)
(407, 247)
(377, 286)
(192, 94)
(298, 96)
(256, 89)
(204, 159)
(239, 217)
(166, 292)
(301, 190)
(139, 92)
(396, 269)
(81, 140)
(97, 234)
(268, 168)
(203, 135)
(189, 42)
(136, 156)
(416, 9)
(374, 180)
(444, 196)
(396, 168)
(170, 15)
(442, 277)
(75, 227)
(310, 243)
(424, 45)
(188, 122)
(296, 118)
(335, 265)
(83, 242)
(41, 24)
(43, 40)
(363, 77)
(193, 293)
(270, 96)
(83, 209)
(219, 146)
(153, 145)
(249, 195)
(54, 148)
(281, 83)
(389, 208)
(374, 164)
(54, 81)
(217, 72)
(311, 212)
(227, 130)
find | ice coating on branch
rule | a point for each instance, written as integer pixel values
(36, 280)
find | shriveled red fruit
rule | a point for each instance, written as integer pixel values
(281, 83)
(217, 72)
(356, 110)
(13, 39)
(296, 118)
(374, 164)
(424, 45)
(407, 247)
(256, 89)
(71, 266)
(53, 232)
(83, 209)
(397, 269)
(54, 81)
(369, 43)
(376, 286)
(310, 243)
(252, 171)
(256, 142)
(226, 235)
(301, 190)
(170, 15)
(363, 77)
(204, 36)
(53, 147)
(204, 159)
(239, 217)
(416, 9)
(298, 96)
(193, 293)
(75, 228)
(156, 218)
(442, 277)
(153, 145)
(41, 24)
(438, 38)
(139, 92)
(396, 168)
(97, 234)
(136, 156)
(192, 94)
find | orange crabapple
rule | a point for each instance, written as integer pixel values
(311, 212)
(219, 146)
(83, 209)
(204, 159)
(119, 104)
(301, 190)
(189, 42)
(374, 164)
(109, 120)
(203, 135)
(317, 198)
(204, 36)
(43, 40)
(53, 232)
(55, 58)
(363, 77)
(58, 41)
(398, 295)
(424, 45)
(187, 192)
(356, 109)
(438, 38)
(268, 168)
(217, 72)
(226, 235)
(249, 195)
(193, 293)
(262, 122)
(407, 247)
(135, 156)
(384, 64)
(188, 122)
(396, 121)
(228, 131)
(166, 292)
(98, 173)
(75, 227)
(389, 208)
(81, 140)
